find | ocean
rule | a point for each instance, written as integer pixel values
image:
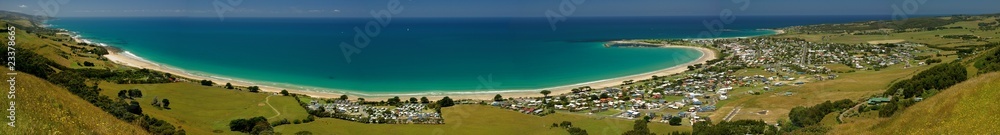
(415, 55)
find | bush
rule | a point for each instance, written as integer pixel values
(134, 108)
(253, 89)
(734, 128)
(255, 125)
(675, 121)
(808, 116)
(446, 102)
(303, 133)
(207, 82)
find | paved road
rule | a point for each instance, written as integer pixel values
(732, 114)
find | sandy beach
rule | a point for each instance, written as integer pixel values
(707, 54)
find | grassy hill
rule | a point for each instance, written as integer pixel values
(45, 108)
(966, 108)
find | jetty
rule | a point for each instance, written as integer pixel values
(625, 43)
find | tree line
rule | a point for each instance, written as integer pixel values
(989, 61)
(737, 127)
(938, 77)
(810, 116)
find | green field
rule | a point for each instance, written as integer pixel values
(925, 37)
(208, 110)
(480, 120)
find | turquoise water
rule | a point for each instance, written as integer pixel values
(410, 55)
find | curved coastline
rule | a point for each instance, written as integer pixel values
(128, 59)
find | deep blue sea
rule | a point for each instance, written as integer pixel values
(416, 55)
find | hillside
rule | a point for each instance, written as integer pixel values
(44, 108)
(966, 108)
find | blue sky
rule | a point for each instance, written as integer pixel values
(486, 8)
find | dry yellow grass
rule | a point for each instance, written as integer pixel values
(44, 108)
(966, 108)
(854, 86)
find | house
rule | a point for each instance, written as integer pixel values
(878, 100)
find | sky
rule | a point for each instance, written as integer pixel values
(489, 8)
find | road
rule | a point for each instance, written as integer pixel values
(267, 101)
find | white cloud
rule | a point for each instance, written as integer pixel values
(336, 10)
(22, 6)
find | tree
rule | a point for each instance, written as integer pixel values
(576, 131)
(361, 99)
(424, 100)
(134, 108)
(546, 93)
(498, 98)
(735, 127)
(639, 128)
(343, 97)
(446, 102)
(206, 82)
(122, 94)
(676, 121)
(229, 86)
(393, 101)
(413, 100)
(253, 89)
(255, 125)
(303, 133)
(135, 93)
(284, 92)
(565, 124)
(166, 103)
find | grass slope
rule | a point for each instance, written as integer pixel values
(44, 108)
(480, 120)
(855, 85)
(966, 108)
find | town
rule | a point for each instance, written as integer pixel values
(689, 95)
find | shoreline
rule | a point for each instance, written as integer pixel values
(123, 57)
(126, 58)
